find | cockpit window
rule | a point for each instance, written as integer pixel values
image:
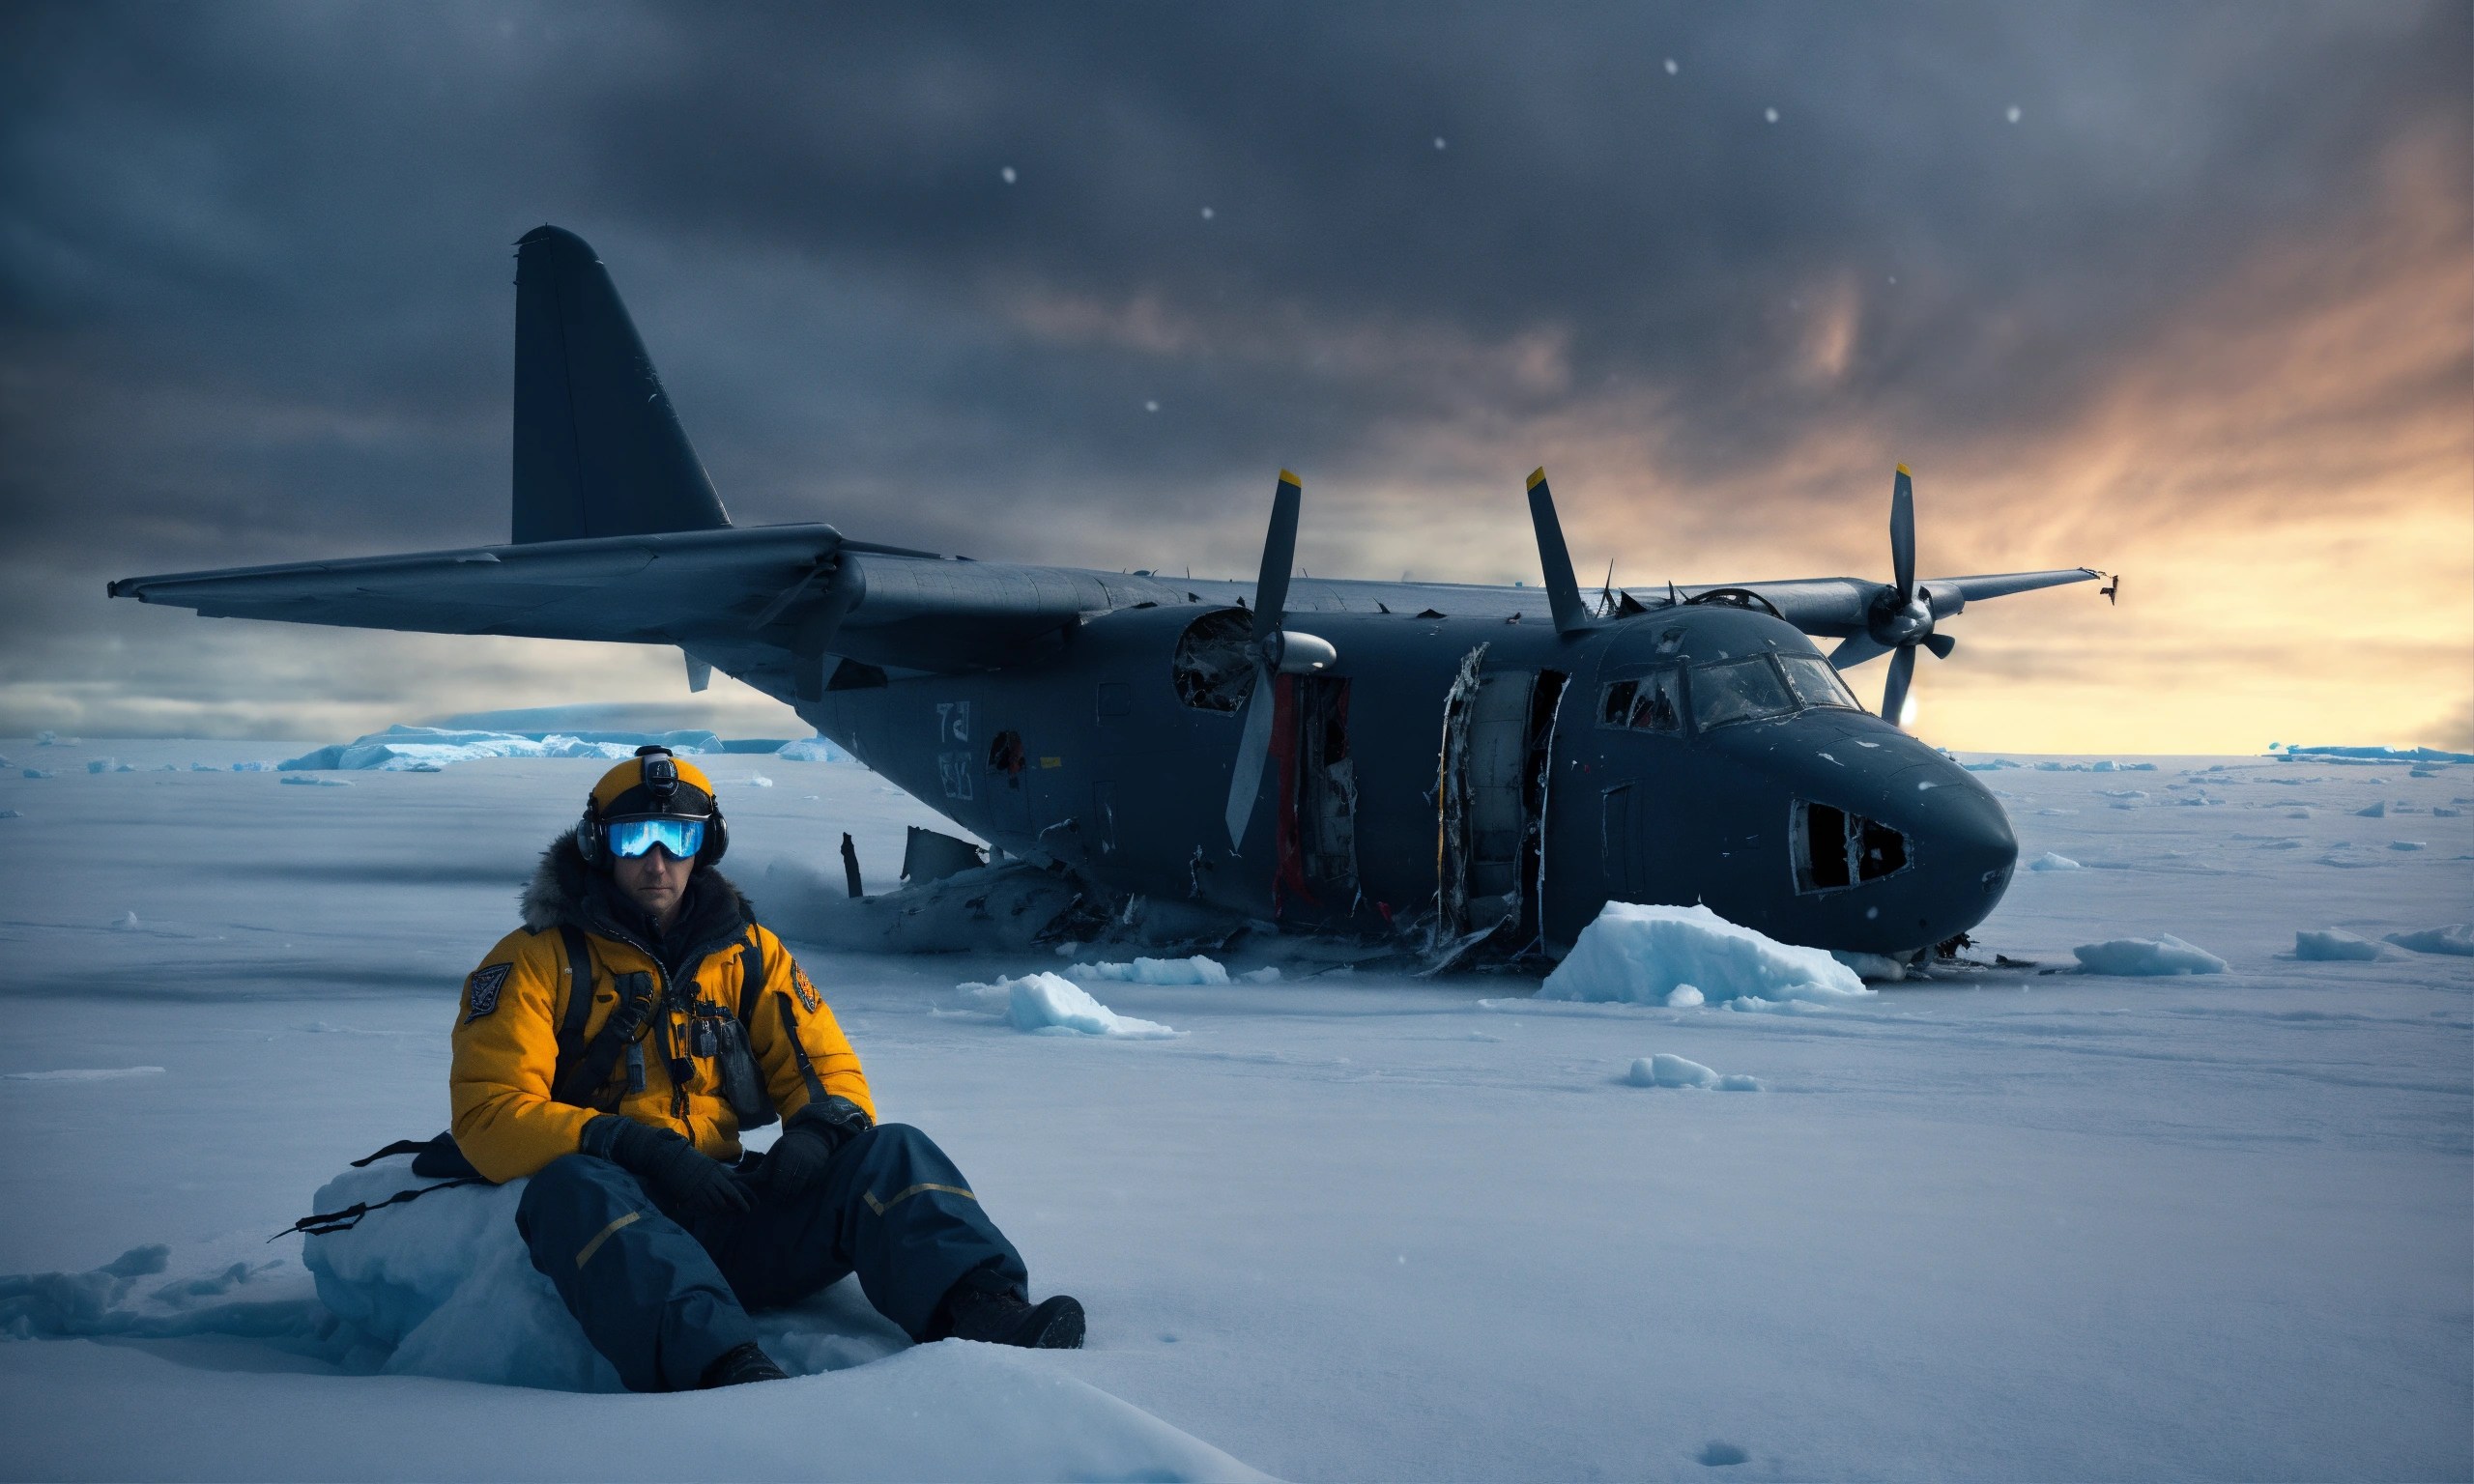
(1652, 703)
(1657, 705)
(1737, 691)
(1815, 683)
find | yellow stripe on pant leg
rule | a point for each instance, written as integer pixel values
(881, 1207)
(604, 1234)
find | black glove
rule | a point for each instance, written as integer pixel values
(809, 1141)
(665, 1161)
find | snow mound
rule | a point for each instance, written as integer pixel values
(2377, 810)
(1641, 955)
(1665, 1070)
(2384, 753)
(443, 1286)
(2332, 945)
(2455, 938)
(1684, 997)
(2051, 861)
(1197, 970)
(1001, 1414)
(35, 772)
(1867, 967)
(101, 1301)
(2164, 953)
(812, 750)
(1052, 1005)
(101, 764)
(319, 783)
(401, 748)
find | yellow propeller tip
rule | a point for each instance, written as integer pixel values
(1902, 469)
(1285, 477)
(1537, 477)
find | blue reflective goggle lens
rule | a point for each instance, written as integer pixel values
(681, 837)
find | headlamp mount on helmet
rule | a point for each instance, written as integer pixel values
(652, 785)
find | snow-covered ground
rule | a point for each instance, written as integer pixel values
(2011, 1225)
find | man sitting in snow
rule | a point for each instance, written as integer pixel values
(613, 1049)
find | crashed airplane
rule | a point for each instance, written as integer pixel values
(1478, 765)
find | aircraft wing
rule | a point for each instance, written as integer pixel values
(754, 593)
(1835, 606)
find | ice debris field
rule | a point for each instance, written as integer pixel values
(2181, 1183)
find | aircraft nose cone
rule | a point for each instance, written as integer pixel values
(1966, 846)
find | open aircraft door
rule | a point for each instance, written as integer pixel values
(1498, 730)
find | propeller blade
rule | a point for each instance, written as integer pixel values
(1279, 554)
(1246, 779)
(1855, 651)
(1555, 560)
(1903, 536)
(1940, 644)
(1894, 695)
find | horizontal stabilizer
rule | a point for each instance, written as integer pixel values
(763, 603)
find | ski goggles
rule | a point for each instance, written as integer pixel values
(681, 837)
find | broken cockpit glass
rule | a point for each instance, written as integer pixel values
(1737, 691)
(1742, 690)
(1816, 683)
(1651, 702)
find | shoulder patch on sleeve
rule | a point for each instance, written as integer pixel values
(481, 990)
(807, 991)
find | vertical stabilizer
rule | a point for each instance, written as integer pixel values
(599, 451)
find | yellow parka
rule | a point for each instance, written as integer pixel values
(508, 1020)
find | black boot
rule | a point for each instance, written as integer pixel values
(974, 1309)
(738, 1366)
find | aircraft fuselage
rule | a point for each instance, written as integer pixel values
(1410, 777)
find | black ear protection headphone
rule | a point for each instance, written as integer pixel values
(660, 780)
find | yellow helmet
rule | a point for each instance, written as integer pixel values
(653, 785)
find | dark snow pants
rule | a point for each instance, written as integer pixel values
(664, 1293)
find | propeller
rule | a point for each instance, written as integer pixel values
(1900, 616)
(1274, 651)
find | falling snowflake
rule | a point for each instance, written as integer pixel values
(1151, 406)
(1771, 114)
(1206, 214)
(1670, 67)
(2014, 113)
(1438, 141)
(1008, 174)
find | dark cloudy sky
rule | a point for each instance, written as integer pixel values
(2185, 291)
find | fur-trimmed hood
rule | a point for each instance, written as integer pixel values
(562, 893)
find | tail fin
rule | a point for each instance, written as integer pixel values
(599, 451)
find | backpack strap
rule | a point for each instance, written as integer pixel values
(399, 1146)
(751, 977)
(751, 987)
(618, 1036)
(346, 1219)
(807, 1068)
(578, 1001)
